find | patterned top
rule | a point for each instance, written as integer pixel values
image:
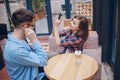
(70, 42)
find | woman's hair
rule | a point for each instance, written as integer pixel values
(21, 15)
(83, 27)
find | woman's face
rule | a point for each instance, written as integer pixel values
(75, 24)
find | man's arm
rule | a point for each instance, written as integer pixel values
(25, 56)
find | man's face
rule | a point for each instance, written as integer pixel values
(29, 25)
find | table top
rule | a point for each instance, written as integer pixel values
(64, 67)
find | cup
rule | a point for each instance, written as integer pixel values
(78, 55)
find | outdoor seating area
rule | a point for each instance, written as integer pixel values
(59, 40)
(91, 43)
(90, 48)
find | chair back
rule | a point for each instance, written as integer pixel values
(3, 31)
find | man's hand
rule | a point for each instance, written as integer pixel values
(30, 34)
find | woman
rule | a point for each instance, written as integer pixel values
(75, 35)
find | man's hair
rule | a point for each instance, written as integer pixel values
(22, 15)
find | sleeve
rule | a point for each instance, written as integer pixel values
(25, 56)
(71, 41)
(65, 32)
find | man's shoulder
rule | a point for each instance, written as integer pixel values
(10, 46)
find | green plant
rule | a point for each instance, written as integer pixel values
(11, 23)
(37, 5)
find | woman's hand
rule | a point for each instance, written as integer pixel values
(56, 21)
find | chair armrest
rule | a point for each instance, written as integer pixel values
(92, 41)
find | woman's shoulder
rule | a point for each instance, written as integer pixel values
(67, 28)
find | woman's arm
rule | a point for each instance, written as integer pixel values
(56, 32)
(71, 41)
(65, 32)
(56, 35)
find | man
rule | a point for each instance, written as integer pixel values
(22, 61)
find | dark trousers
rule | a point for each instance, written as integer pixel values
(1, 61)
(40, 69)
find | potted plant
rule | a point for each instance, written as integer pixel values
(38, 8)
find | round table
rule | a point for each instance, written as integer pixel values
(64, 67)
